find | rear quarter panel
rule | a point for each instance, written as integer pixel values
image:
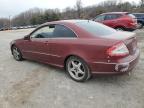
(121, 22)
(90, 50)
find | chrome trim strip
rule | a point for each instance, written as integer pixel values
(57, 65)
(42, 53)
(107, 73)
(137, 54)
(115, 63)
(104, 63)
(63, 38)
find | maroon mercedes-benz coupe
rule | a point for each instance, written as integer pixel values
(82, 47)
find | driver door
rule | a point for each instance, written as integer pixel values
(37, 47)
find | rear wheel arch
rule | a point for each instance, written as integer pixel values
(67, 57)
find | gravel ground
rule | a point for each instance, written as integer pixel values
(29, 84)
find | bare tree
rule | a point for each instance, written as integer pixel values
(142, 3)
(4, 23)
(39, 16)
(79, 8)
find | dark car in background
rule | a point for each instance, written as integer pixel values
(118, 20)
(140, 19)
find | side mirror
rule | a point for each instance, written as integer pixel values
(26, 37)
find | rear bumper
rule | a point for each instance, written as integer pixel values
(131, 27)
(122, 66)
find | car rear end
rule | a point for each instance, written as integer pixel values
(109, 51)
(126, 54)
(121, 57)
(130, 22)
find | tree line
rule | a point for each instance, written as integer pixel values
(38, 16)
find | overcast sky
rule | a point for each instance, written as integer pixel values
(14, 7)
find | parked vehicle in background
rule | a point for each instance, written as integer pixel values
(18, 27)
(118, 20)
(4, 28)
(14, 28)
(82, 47)
(1, 29)
(140, 19)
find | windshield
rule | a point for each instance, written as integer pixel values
(95, 28)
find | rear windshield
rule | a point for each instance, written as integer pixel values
(95, 28)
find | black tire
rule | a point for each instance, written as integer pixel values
(120, 29)
(140, 25)
(84, 67)
(18, 56)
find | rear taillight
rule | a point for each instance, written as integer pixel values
(119, 49)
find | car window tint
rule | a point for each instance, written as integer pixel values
(62, 32)
(113, 16)
(95, 28)
(139, 15)
(44, 32)
(100, 18)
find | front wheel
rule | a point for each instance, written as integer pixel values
(16, 53)
(77, 69)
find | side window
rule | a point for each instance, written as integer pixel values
(136, 15)
(44, 32)
(100, 18)
(139, 15)
(110, 17)
(62, 32)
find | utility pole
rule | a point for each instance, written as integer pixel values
(9, 22)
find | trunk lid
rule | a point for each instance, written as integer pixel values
(128, 38)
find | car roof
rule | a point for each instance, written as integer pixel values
(116, 13)
(71, 21)
(138, 13)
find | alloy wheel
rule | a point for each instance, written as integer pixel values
(76, 69)
(16, 53)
